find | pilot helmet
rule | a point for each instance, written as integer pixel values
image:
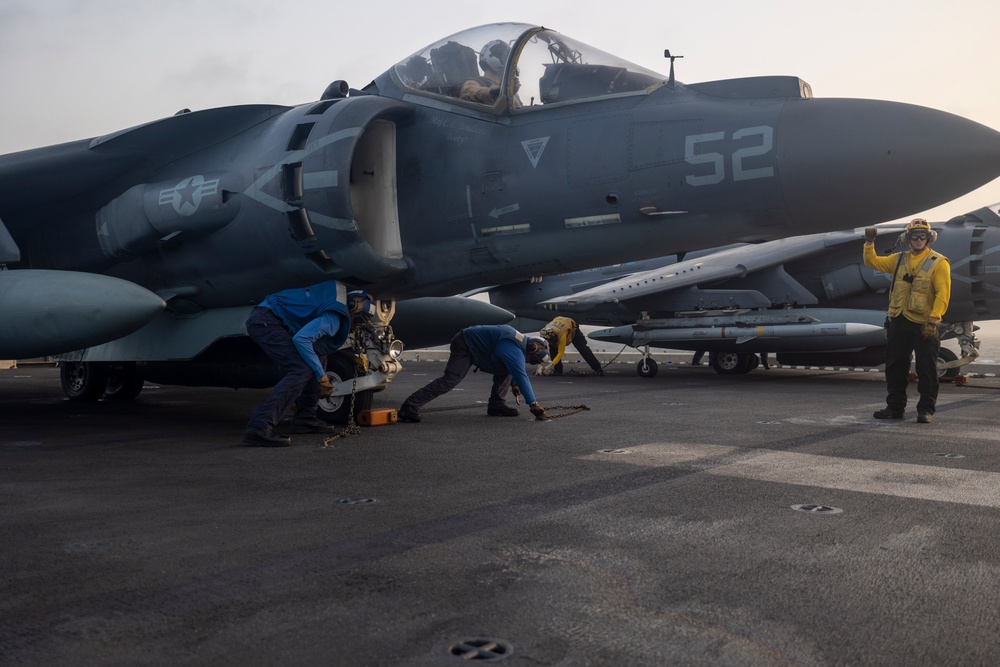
(494, 56)
(536, 350)
(361, 304)
(919, 225)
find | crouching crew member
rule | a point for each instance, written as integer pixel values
(496, 349)
(918, 299)
(558, 333)
(286, 325)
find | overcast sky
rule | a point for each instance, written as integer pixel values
(74, 69)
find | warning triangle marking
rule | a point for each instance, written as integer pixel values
(534, 148)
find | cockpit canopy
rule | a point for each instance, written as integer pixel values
(538, 67)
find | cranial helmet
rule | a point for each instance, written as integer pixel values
(919, 225)
(536, 350)
(550, 336)
(361, 304)
(494, 56)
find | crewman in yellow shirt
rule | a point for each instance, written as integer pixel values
(918, 299)
(559, 333)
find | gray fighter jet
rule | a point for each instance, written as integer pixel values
(808, 299)
(499, 153)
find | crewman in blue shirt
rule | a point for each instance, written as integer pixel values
(497, 349)
(287, 325)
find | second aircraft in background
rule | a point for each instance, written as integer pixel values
(809, 299)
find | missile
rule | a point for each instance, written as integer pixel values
(51, 312)
(628, 335)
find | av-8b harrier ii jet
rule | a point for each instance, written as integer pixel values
(494, 155)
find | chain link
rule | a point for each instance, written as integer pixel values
(352, 428)
(573, 409)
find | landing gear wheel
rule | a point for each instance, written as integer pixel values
(646, 368)
(124, 381)
(83, 380)
(944, 356)
(730, 363)
(336, 409)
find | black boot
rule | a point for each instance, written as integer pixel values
(309, 425)
(408, 413)
(257, 437)
(502, 410)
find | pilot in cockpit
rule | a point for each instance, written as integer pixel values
(485, 89)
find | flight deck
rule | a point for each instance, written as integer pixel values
(691, 518)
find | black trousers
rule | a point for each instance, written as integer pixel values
(458, 366)
(298, 385)
(904, 339)
(580, 343)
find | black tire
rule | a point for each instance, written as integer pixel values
(944, 356)
(730, 363)
(646, 368)
(335, 410)
(83, 380)
(124, 381)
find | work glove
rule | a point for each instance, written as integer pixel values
(538, 411)
(517, 394)
(870, 234)
(325, 387)
(361, 361)
(929, 331)
(544, 369)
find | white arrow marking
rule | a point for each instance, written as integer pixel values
(497, 212)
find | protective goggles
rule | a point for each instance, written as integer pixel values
(918, 236)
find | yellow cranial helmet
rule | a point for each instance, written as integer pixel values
(919, 225)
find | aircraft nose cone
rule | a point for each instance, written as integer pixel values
(849, 163)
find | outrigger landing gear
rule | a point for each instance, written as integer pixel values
(646, 368)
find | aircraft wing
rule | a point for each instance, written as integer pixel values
(48, 312)
(105, 166)
(738, 262)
